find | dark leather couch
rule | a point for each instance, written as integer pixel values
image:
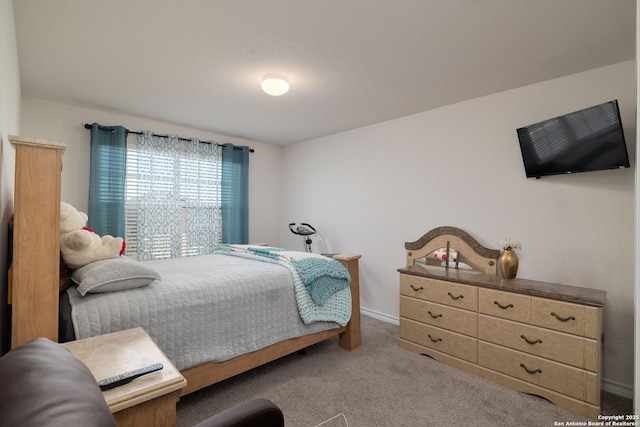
(44, 384)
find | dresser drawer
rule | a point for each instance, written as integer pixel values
(566, 317)
(570, 349)
(507, 305)
(433, 337)
(570, 381)
(456, 295)
(416, 287)
(453, 319)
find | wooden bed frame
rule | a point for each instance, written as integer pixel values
(34, 276)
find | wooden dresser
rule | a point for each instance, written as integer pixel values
(536, 337)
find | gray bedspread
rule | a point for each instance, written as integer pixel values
(206, 308)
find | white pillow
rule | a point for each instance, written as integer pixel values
(110, 275)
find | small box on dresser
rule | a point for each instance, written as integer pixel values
(535, 337)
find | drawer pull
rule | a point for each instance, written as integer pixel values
(537, 371)
(504, 307)
(529, 341)
(454, 297)
(434, 316)
(416, 289)
(562, 319)
(434, 339)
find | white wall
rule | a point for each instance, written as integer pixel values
(63, 122)
(371, 189)
(9, 125)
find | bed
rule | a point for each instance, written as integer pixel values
(210, 308)
(278, 329)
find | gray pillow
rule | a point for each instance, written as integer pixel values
(112, 275)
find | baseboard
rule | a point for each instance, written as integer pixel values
(380, 316)
(613, 387)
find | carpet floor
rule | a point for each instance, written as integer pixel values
(379, 385)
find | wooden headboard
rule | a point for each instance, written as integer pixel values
(479, 257)
(36, 244)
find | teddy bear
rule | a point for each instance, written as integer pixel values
(79, 244)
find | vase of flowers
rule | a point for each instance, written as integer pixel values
(508, 259)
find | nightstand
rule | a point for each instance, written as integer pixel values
(149, 400)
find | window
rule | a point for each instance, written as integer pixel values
(167, 196)
(173, 201)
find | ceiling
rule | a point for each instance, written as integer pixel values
(350, 63)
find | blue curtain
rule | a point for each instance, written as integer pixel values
(235, 194)
(107, 179)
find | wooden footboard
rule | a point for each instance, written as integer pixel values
(349, 339)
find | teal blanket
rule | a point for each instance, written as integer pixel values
(322, 276)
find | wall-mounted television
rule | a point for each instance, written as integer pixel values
(583, 141)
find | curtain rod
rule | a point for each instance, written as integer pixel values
(88, 126)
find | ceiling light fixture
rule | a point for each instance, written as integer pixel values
(275, 84)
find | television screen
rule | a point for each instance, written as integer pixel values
(586, 140)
